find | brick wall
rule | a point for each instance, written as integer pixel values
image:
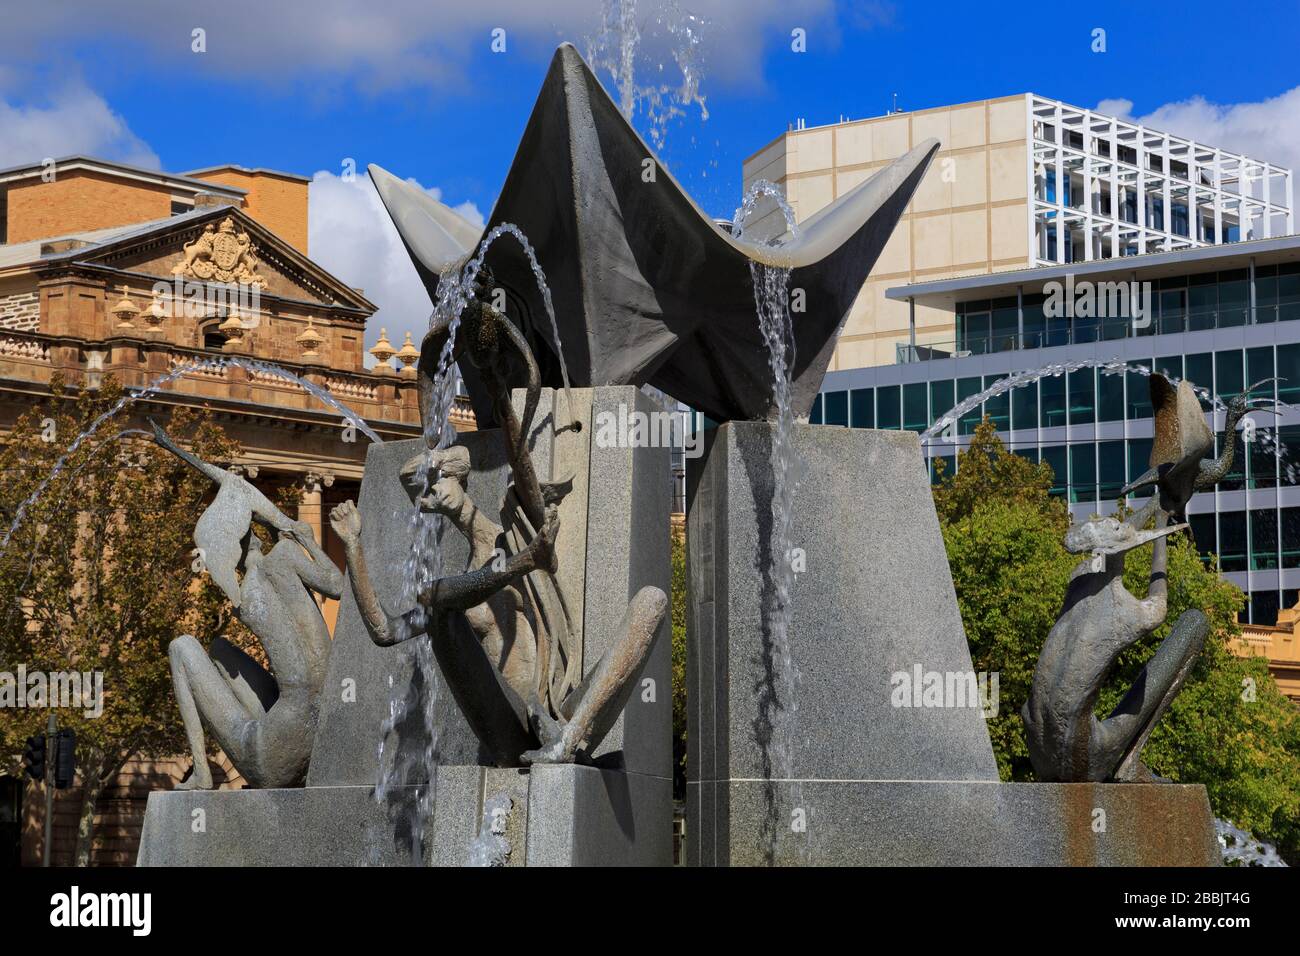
(79, 201)
(277, 202)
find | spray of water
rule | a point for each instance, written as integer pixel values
(490, 847)
(944, 426)
(134, 395)
(1242, 849)
(614, 50)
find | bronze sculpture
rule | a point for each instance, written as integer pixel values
(500, 630)
(264, 724)
(1100, 618)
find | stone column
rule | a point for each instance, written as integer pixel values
(309, 505)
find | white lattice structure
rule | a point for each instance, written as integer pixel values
(1104, 187)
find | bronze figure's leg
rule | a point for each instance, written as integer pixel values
(596, 703)
(207, 699)
(1124, 733)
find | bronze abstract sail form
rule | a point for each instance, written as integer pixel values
(647, 288)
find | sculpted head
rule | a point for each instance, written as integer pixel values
(1111, 536)
(436, 480)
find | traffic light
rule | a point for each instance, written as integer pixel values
(34, 757)
(65, 760)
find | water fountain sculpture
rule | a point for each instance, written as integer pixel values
(501, 632)
(1101, 618)
(647, 288)
(819, 592)
(265, 724)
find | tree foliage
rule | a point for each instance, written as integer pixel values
(679, 664)
(1230, 728)
(99, 577)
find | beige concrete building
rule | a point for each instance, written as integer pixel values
(968, 215)
(991, 201)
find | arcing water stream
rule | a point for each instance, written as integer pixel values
(944, 423)
(424, 563)
(135, 395)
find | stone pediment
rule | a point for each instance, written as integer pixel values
(225, 245)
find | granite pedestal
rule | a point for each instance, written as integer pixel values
(559, 816)
(614, 540)
(876, 777)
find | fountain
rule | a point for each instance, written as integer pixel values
(517, 670)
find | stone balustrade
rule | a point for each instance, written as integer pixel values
(136, 361)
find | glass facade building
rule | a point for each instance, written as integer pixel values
(1223, 318)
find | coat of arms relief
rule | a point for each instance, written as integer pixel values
(221, 254)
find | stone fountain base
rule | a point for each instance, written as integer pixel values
(560, 816)
(951, 823)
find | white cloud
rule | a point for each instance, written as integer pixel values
(350, 234)
(1268, 129)
(398, 43)
(73, 120)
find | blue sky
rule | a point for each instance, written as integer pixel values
(415, 87)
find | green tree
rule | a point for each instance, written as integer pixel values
(1230, 729)
(679, 664)
(99, 577)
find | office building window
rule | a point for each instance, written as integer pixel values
(889, 412)
(916, 414)
(1288, 368)
(997, 407)
(1288, 437)
(1203, 534)
(966, 388)
(943, 396)
(1200, 372)
(1083, 396)
(1291, 537)
(1052, 390)
(1055, 456)
(815, 416)
(1263, 608)
(1110, 397)
(862, 408)
(1232, 541)
(1139, 458)
(836, 408)
(1110, 470)
(1138, 400)
(1083, 472)
(1263, 539)
(1170, 366)
(1229, 376)
(1024, 406)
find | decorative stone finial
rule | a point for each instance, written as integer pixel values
(125, 311)
(155, 314)
(310, 340)
(233, 330)
(408, 355)
(383, 351)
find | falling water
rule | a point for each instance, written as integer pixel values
(614, 49)
(1240, 847)
(135, 395)
(424, 562)
(943, 425)
(772, 301)
(490, 847)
